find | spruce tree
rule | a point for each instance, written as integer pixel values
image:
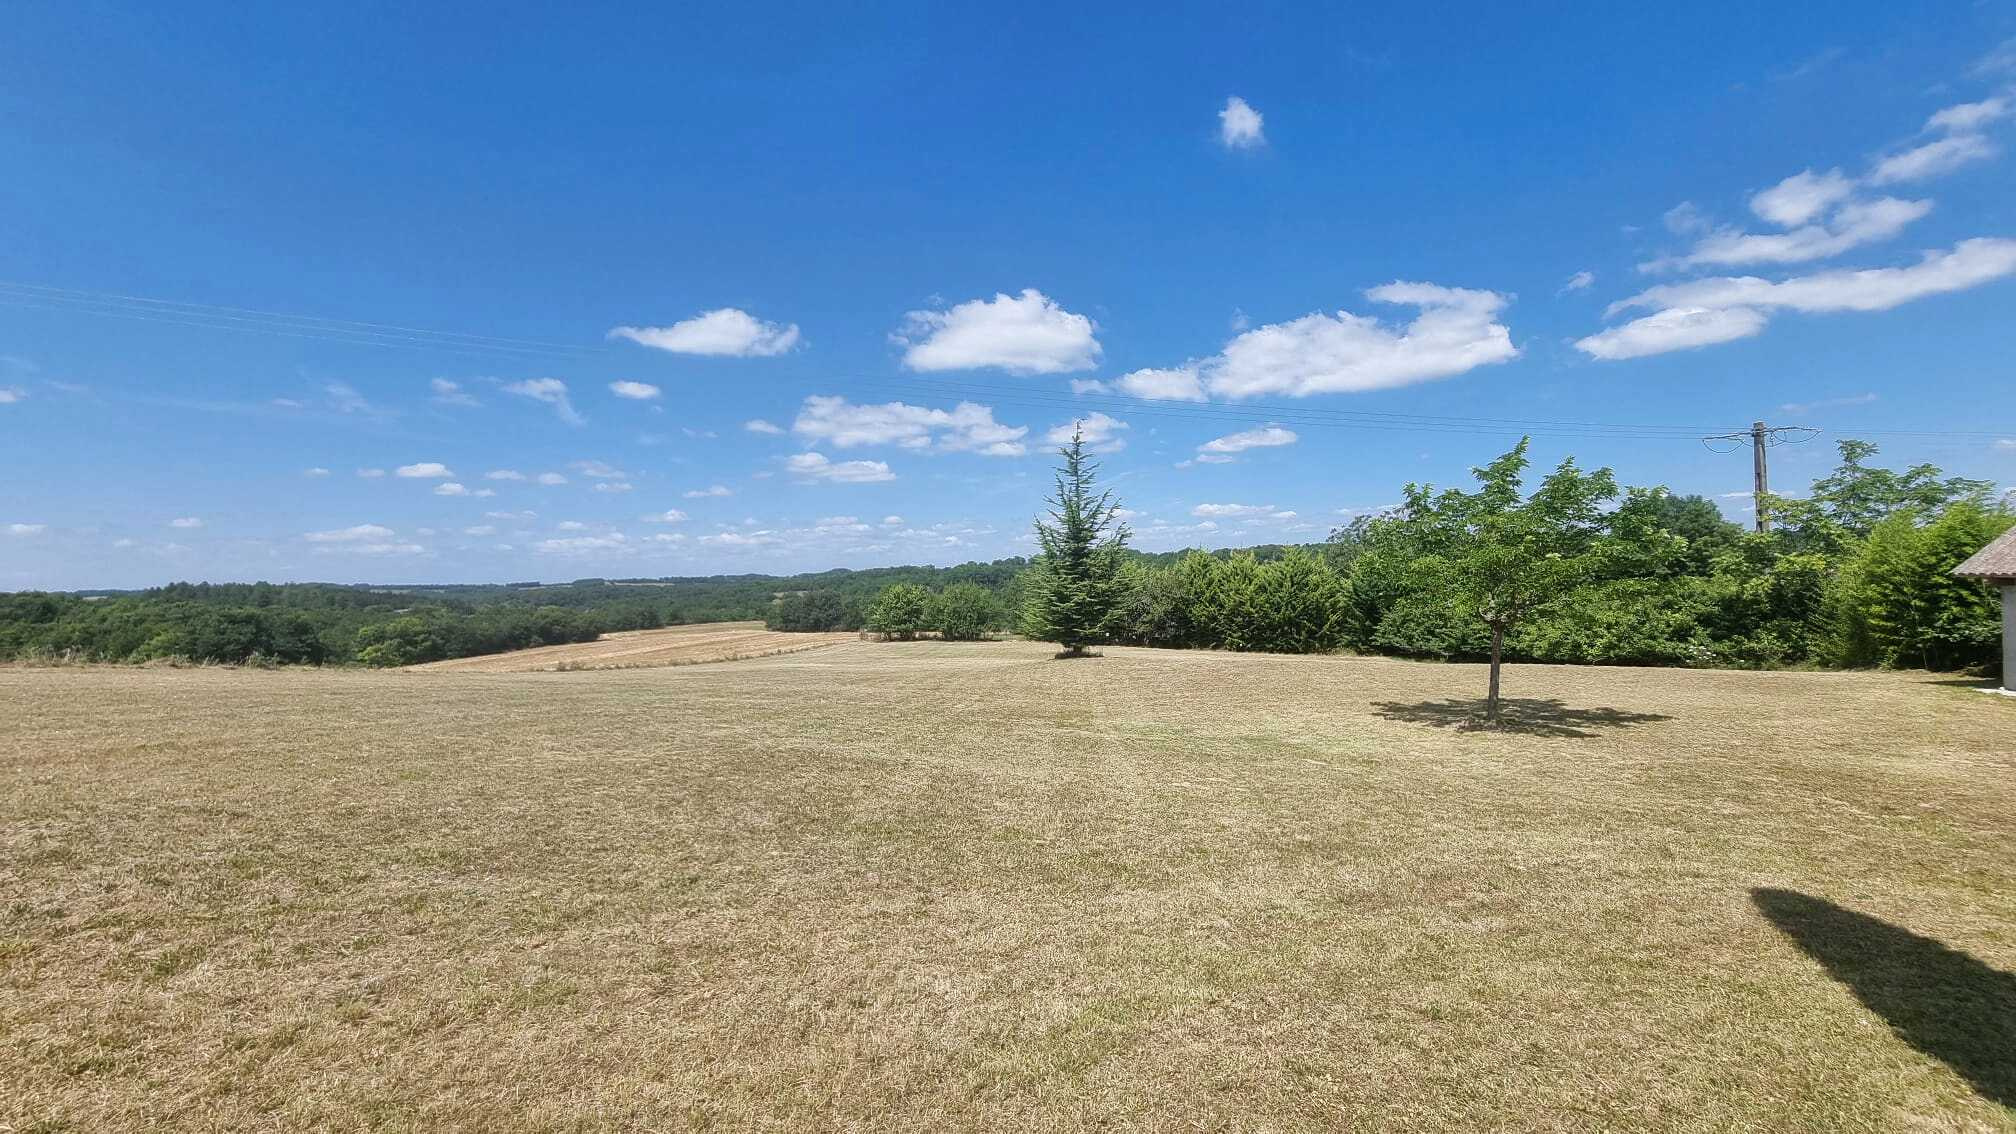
(1074, 593)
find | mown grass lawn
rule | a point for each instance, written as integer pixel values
(938, 886)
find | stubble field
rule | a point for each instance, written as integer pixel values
(961, 886)
(643, 649)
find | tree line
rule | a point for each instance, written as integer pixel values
(1578, 570)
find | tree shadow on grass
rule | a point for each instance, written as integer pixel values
(1939, 1000)
(1526, 715)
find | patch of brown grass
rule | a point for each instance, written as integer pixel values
(644, 649)
(958, 886)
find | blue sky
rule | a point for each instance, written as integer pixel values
(338, 289)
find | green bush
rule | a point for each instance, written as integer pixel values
(964, 612)
(902, 611)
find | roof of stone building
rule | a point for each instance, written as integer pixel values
(1996, 561)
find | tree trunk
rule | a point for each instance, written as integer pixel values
(1497, 648)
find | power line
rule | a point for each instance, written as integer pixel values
(1762, 438)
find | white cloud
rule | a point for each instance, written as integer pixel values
(1802, 408)
(1968, 117)
(316, 473)
(552, 391)
(598, 470)
(613, 486)
(370, 474)
(480, 530)
(1578, 282)
(710, 490)
(26, 529)
(451, 393)
(1679, 328)
(186, 522)
(1932, 159)
(503, 474)
(1719, 309)
(450, 488)
(571, 526)
(1802, 197)
(1175, 384)
(724, 332)
(1266, 437)
(668, 516)
(892, 521)
(1685, 219)
(424, 470)
(362, 533)
(1967, 264)
(582, 545)
(1240, 512)
(816, 466)
(636, 391)
(966, 427)
(2006, 443)
(1852, 225)
(527, 514)
(1320, 354)
(1239, 125)
(837, 522)
(11, 394)
(550, 478)
(1026, 334)
(743, 539)
(1102, 433)
(758, 425)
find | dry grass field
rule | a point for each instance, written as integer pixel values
(641, 649)
(935, 886)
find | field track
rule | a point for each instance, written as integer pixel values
(643, 649)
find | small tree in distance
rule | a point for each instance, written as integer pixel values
(964, 612)
(1503, 558)
(901, 611)
(1074, 591)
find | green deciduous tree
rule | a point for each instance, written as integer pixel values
(1896, 602)
(1502, 558)
(964, 612)
(1073, 596)
(901, 611)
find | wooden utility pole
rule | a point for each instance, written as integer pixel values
(1761, 437)
(1760, 473)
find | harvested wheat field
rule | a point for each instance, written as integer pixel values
(934, 886)
(640, 649)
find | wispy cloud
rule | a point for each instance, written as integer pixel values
(1802, 408)
(551, 391)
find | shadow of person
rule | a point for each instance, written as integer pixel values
(1939, 1000)
(1528, 715)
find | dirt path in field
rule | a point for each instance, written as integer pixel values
(637, 649)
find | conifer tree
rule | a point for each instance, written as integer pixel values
(1075, 592)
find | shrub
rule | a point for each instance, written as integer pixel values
(901, 611)
(964, 612)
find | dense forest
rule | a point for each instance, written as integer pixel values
(1852, 574)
